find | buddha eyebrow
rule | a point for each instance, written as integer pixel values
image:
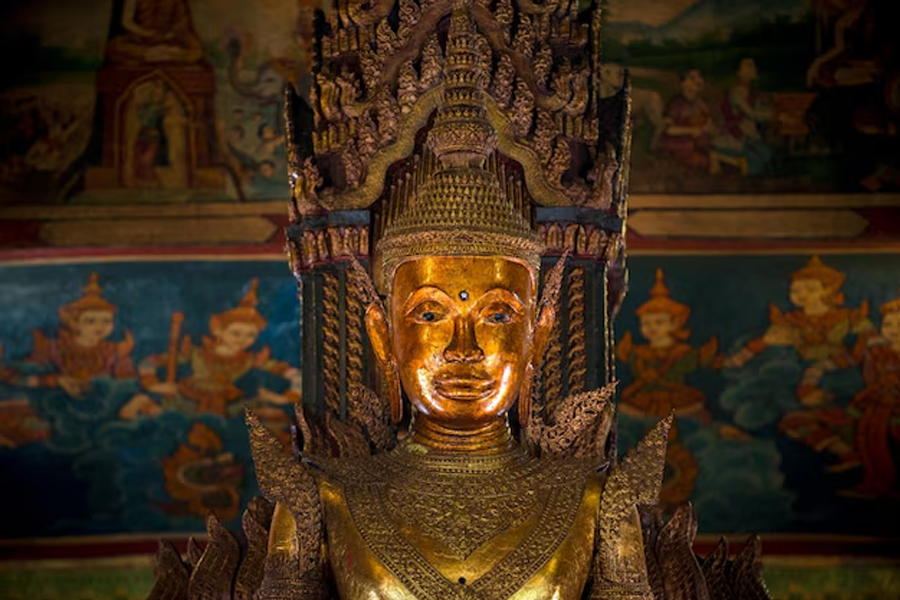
(427, 292)
(506, 296)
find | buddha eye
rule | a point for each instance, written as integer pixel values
(499, 314)
(428, 312)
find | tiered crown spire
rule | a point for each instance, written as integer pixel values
(462, 135)
(462, 209)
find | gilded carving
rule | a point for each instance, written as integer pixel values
(576, 352)
(319, 246)
(331, 343)
(408, 86)
(527, 53)
(503, 14)
(432, 62)
(522, 108)
(503, 81)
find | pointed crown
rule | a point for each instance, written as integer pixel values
(831, 279)
(91, 300)
(660, 301)
(889, 307)
(245, 312)
(816, 269)
(462, 209)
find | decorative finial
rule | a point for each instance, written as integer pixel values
(93, 286)
(461, 209)
(250, 299)
(659, 289)
(462, 135)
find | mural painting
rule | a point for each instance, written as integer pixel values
(786, 416)
(123, 385)
(130, 397)
(133, 101)
(659, 370)
(793, 96)
(150, 100)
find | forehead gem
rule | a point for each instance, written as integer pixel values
(464, 295)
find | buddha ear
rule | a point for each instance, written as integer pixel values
(380, 337)
(379, 334)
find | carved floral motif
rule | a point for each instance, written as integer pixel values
(375, 75)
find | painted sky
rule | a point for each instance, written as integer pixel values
(658, 20)
(648, 12)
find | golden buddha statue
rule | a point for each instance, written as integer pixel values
(464, 324)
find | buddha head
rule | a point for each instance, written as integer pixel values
(90, 318)
(461, 328)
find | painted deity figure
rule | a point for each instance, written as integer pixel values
(687, 137)
(659, 369)
(19, 423)
(82, 351)
(866, 432)
(201, 476)
(156, 137)
(818, 329)
(741, 141)
(153, 31)
(209, 378)
(150, 111)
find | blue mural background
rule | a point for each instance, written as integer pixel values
(764, 480)
(95, 472)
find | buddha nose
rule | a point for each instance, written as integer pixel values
(463, 347)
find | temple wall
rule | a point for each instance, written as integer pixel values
(159, 167)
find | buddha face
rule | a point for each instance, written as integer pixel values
(461, 335)
(807, 292)
(237, 336)
(657, 326)
(93, 326)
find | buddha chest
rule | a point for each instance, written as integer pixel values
(406, 525)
